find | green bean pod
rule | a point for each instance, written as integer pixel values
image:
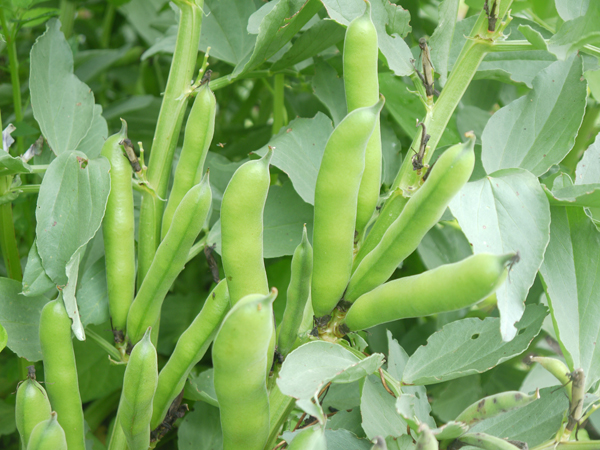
(360, 57)
(190, 349)
(426, 439)
(60, 371)
(32, 407)
(424, 209)
(240, 363)
(169, 260)
(48, 435)
(311, 438)
(336, 194)
(242, 229)
(379, 443)
(487, 442)
(495, 404)
(298, 294)
(557, 368)
(199, 131)
(118, 229)
(446, 288)
(389, 213)
(139, 386)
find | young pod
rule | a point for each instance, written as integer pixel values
(32, 407)
(557, 368)
(240, 363)
(139, 386)
(311, 438)
(361, 84)
(60, 371)
(495, 404)
(242, 229)
(487, 442)
(48, 435)
(424, 209)
(446, 288)
(426, 439)
(118, 229)
(169, 260)
(190, 349)
(199, 131)
(298, 294)
(336, 196)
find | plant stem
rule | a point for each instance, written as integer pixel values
(13, 64)
(278, 103)
(27, 189)
(8, 240)
(104, 344)
(107, 23)
(167, 131)
(512, 46)
(280, 407)
(67, 17)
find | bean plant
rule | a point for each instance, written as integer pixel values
(302, 224)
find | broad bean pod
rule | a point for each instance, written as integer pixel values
(118, 229)
(311, 438)
(199, 131)
(446, 288)
(495, 404)
(298, 294)
(557, 368)
(139, 386)
(60, 371)
(32, 407)
(48, 435)
(240, 363)
(169, 260)
(487, 442)
(242, 229)
(361, 84)
(336, 194)
(424, 209)
(190, 349)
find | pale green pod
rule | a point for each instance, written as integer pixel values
(32, 407)
(487, 442)
(48, 435)
(557, 368)
(336, 194)
(495, 404)
(311, 438)
(424, 209)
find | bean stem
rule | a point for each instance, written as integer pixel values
(167, 131)
(278, 103)
(104, 344)
(107, 23)
(67, 17)
(8, 240)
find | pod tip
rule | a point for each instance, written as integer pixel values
(123, 130)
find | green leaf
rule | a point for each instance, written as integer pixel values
(588, 168)
(441, 40)
(507, 211)
(470, 346)
(10, 165)
(202, 425)
(3, 338)
(391, 153)
(302, 379)
(97, 376)
(456, 396)
(7, 418)
(538, 130)
(534, 37)
(378, 410)
(62, 104)
(70, 208)
(574, 34)
(143, 15)
(587, 195)
(35, 279)
(276, 29)
(391, 22)
(312, 438)
(571, 9)
(313, 41)
(443, 244)
(329, 89)
(91, 63)
(534, 423)
(92, 295)
(201, 387)
(20, 317)
(569, 273)
(298, 152)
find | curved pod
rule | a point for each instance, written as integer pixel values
(445, 288)
(242, 229)
(336, 195)
(424, 209)
(48, 435)
(32, 407)
(240, 372)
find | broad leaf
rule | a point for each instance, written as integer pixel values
(202, 424)
(391, 22)
(10, 165)
(470, 346)
(441, 40)
(534, 37)
(588, 168)
(378, 410)
(70, 208)
(20, 317)
(501, 213)
(35, 279)
(538, 130)
(93, 141)
(276, 29)
(569, 273)
(142, 15)
(3, 338)
(62, 104)
(201, 387)
(574, 34)
(92, 295)
(571, 9)
(329, 88)
(298, 152)
(443, 244)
